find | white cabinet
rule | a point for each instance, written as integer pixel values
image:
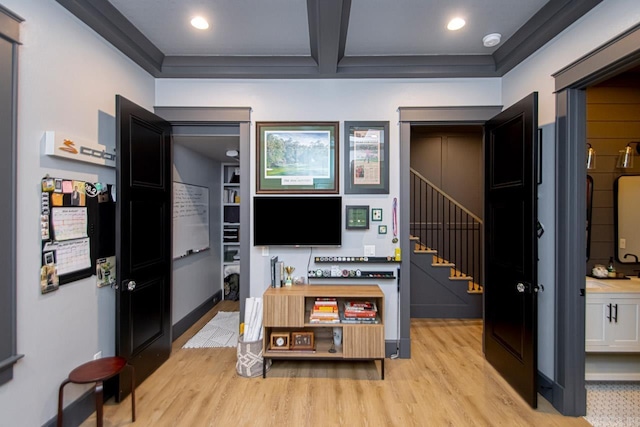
(230, 222)
(612, 322)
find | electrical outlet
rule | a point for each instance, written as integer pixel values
(623, 243)
(265, 251)
(369, 250)
(98, 355)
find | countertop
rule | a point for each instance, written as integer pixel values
(604, 286)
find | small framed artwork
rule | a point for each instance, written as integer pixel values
(302, 341)
(382, 229)
(357, 217)
(366, 157)
(297, 157)
(376, 214)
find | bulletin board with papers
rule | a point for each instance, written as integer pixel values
(77, 225)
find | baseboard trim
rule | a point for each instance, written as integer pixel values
(187, 321)
(77, 411)
(545, 387)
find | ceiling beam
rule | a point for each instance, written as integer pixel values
(328, 23)
(422, 66)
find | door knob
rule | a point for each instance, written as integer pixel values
(521, 287)
(129, 284)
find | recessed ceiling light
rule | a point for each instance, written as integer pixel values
(456, 24)
(200, 23)
(491, 40)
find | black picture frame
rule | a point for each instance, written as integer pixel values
(376, 214)
(297, 157)
(357, 217)
(366, 157)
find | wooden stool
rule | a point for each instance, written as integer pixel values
(97, 371)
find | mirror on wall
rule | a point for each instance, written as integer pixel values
(627, 218)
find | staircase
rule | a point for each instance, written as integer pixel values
(446, 262)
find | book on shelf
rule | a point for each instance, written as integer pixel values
(325, 308)
(360, 305)
(326, 300)
(360, 314)
(359, 320)
(360, 310)
(337, 320)
(324, 316)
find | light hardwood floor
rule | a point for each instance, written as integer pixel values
(446, 382)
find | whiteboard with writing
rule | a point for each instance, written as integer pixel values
(190, 219)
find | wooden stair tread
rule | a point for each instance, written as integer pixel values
(425, 251)
(455, 275)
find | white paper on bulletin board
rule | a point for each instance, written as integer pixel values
(190, 219)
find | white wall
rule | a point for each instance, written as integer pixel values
(604, 22)
(332, 100)
(68, 79)
(197, 277)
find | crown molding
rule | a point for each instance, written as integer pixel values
(328, 27)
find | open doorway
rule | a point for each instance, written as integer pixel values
(571, 83)
(446, 215)
(510, 190)
(612, 362)
(208, 143)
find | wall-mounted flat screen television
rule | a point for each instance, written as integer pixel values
(297, 221)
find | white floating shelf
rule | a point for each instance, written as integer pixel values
(61, 145)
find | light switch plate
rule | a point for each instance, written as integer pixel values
(369, 250)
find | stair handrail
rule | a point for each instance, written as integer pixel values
(448, 197)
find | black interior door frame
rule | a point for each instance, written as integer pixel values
(143, 241)
(510, 291)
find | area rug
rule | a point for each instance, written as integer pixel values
(613, 404)
(221, 331)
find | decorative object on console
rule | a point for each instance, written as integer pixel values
(302, 340)
(599, 271)
(337, 336)
(280, 341)
(297, 157)
(288, 281)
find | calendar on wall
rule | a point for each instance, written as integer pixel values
(77, 226)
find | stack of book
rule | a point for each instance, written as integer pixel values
(325, 310)
(360, 312)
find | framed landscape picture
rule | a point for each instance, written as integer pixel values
(366, 157)
(297, 157)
